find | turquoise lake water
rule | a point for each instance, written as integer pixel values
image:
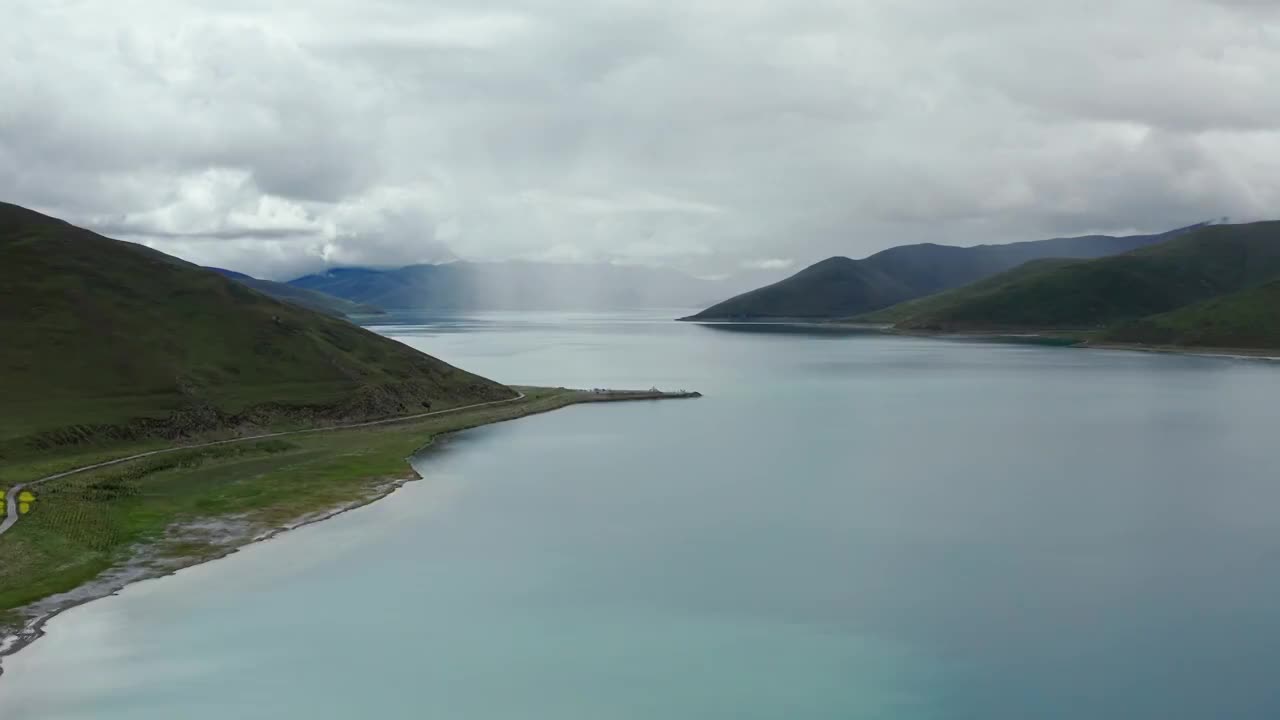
(847, 526)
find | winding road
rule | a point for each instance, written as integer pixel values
(11, 498)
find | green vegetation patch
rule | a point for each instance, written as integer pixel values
(993, 286)
(1247, 320)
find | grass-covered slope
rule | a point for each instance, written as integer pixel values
(107, 341)
(839, 287)
(1188, 269)
(309, 299)
(1249, 319)
(931, 304)
(832, 288)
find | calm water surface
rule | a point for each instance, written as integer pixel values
(847, 526)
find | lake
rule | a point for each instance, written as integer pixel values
(847, 526)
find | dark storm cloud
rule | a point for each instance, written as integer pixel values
(712, 136)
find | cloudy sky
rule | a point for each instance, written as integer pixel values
(278, 138)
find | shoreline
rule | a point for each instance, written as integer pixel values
(1216, 352)
(11, 516)
(151, 565)
(229, 534)
(1058, 338)
(1066, 340)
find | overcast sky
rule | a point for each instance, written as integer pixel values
(280, 137)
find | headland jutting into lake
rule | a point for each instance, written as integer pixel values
(254, 488)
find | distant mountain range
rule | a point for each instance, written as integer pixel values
(840, 287)
(516, 285)
(1213, 286)
(309, 299)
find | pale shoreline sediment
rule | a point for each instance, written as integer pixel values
(1234, 353)
(147, 564)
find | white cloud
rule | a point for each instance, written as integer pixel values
(710, 136)
(768, 264)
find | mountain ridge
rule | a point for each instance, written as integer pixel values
(309, 299)
(513, 285)
(843, 287)
(1192, 268)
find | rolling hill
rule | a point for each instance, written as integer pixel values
(929, 304)
(309, 299)
(1246, 319)
(840, 287)
(108, 341)
(1191, 268)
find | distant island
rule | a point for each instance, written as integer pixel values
(159, 414)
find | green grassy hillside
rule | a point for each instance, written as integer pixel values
(1191, 268)
(1249, 319)
(839, 287)
(309, 299)
(111, 342)
(940, 301)
(834, 287)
